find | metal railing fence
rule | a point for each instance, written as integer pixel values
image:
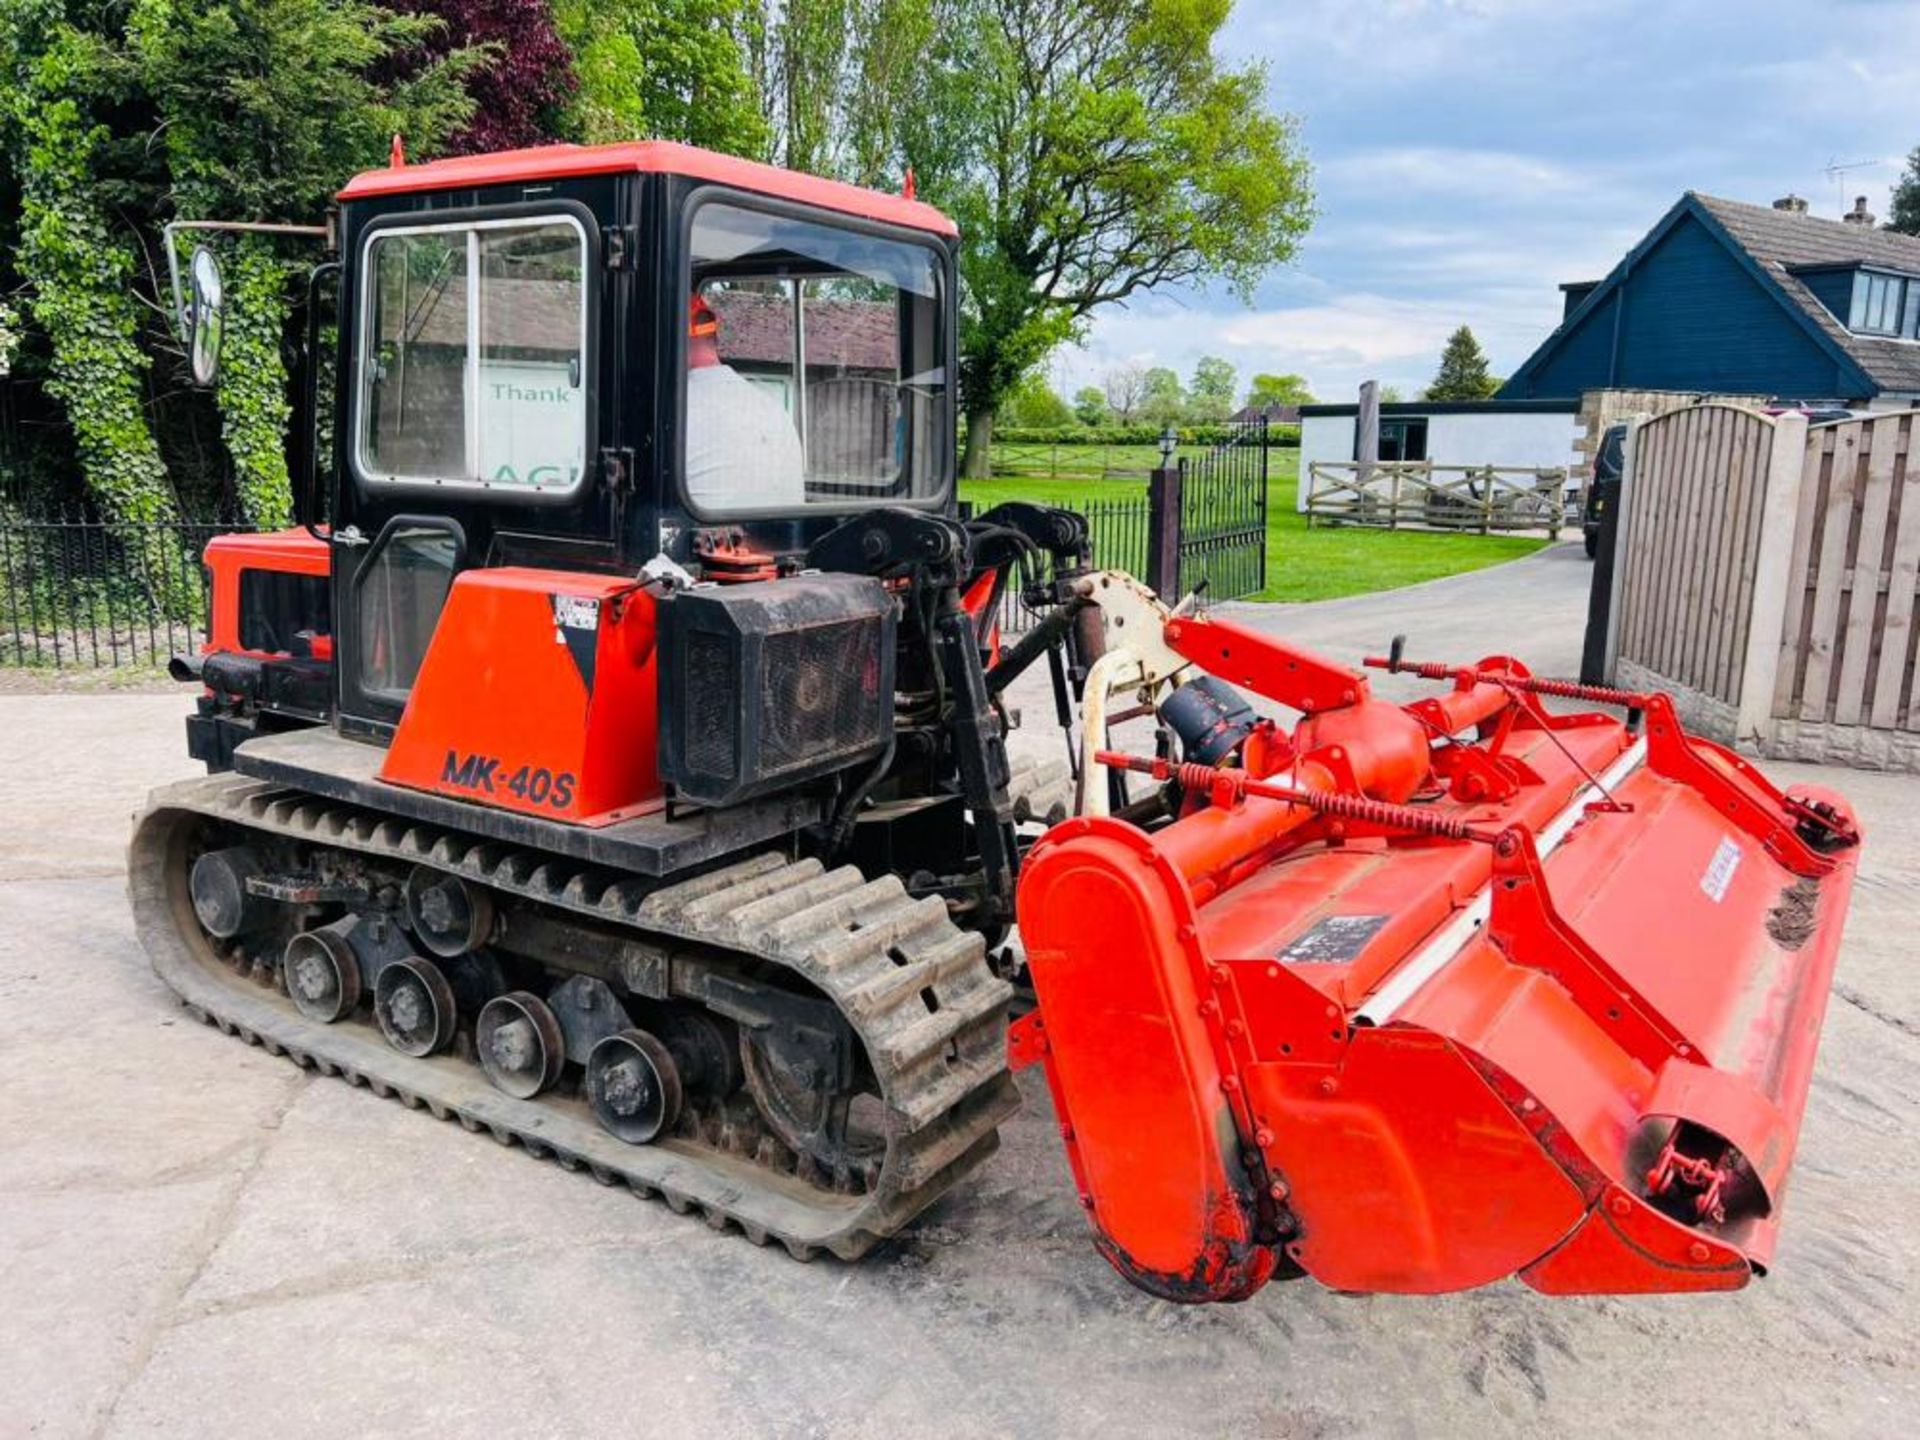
(98, 594)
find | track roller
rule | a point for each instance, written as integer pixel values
(705, 1050)
(414, 1007)
(633, 1086)
(519, 1044)
(449, 917)
(322, 974)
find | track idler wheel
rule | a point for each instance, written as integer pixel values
(519, 1044)
(414, 1006)
(802, 1104)
(322, 974)
(221, 900)
(633, 1086)
(449, 917)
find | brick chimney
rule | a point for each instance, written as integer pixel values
(1792, 204)
(1859, 215)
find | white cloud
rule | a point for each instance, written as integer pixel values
(1335, 344)
(1424, 170)
(1355, 330)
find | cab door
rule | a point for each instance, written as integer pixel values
(470, 422)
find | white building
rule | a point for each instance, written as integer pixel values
(1523, 434)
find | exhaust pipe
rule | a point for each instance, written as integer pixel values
(221, 671)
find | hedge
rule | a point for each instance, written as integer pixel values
(1283, 435)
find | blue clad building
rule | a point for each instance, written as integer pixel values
(1726, 298)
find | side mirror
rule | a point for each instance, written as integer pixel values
(206, 317)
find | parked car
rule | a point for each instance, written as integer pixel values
(1605, 489)
(1818, 412)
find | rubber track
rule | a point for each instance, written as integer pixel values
(1041, 790)
(866, 945)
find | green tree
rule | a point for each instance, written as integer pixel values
(1033, 402)
(665, 69)
(1090, 405)
(1463, 373)
(1125, 388)
(60, 78)
(263, 107)
(1905, 214)
(1163, 398)
(837, 76)
(1210, 393)
(1093, 150)
(1090, 150)
(1279, 390)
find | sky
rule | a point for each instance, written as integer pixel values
(1471, 155)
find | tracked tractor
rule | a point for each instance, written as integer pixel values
(615, 759)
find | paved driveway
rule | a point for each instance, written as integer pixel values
(198, 1239)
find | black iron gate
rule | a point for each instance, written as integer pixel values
(1222, 528)
(1202, 525)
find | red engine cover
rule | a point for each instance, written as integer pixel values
(538, 694)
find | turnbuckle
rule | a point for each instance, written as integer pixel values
(1230, 786)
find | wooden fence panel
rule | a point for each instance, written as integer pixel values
(1692, 537)
(1893, 704)
(1833, 518)
(1775, 568)
(1848, 642)
(1816, 474)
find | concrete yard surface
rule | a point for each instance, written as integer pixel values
(198, 1239)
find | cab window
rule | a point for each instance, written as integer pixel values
(816, 367)
(473, 351)
(399, 593)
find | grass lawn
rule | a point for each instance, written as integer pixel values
(1302, 564)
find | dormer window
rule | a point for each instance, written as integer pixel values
(1885, 304)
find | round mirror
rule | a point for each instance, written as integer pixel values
(206, 318)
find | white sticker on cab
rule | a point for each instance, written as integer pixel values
(576, 612)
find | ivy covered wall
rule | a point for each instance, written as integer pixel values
(118, 116)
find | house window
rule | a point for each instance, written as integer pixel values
(1403, 438)
(1884, 304)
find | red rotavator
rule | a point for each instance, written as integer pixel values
(1408, 1010)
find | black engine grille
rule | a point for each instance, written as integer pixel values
(773, 683)
(819, 693)
(712, 705)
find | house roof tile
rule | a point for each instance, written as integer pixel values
(1781, 241)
